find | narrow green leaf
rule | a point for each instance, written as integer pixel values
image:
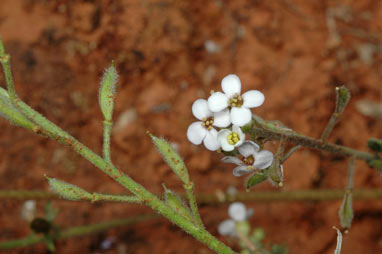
(346, 211)
(68, 191)
(172, 158)
(375, 144)
(256, 179)
(107, 92)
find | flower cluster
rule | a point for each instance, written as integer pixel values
(220, 120)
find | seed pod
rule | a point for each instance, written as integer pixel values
(346, 211)
(172, 158)
(107, 92)
(176, 203)
(8, 111)
(68, 191)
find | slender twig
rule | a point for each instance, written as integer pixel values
(193, 205)
(246, 241)
(107, 127)
(77, 231)
(342, 99)
(350, 181)
(290, 136)
(289, 153)
(211, 199)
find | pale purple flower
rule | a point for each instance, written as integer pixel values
(203, 131)
(240, 104)
(251, 159)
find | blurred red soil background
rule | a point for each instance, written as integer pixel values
(168, 54)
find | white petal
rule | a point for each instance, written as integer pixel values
(211, 140)
(237, 211)
(263, 159)
(200, 109)
(217, 102)
(241, 170)
(196, 133)
(238, 130)
(248, 148)
(227, 227)
(240, 116)
(232, 159)
(222, 118)
(231, 84)
(222, 137)
(253, 98)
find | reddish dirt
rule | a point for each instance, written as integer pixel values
(283, 48)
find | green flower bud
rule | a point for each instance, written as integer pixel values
(176, 203)
(346, 211)
(258, 235)
(68, 191)
(276, 176)
(172, 158)
(107, 92)
(343, 97)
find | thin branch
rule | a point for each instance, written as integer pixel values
(77, 231)
(206, 198)
(289, 153)
(268, 131)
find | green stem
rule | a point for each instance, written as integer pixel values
(329, 127)
(289, 153)
(211, 199)
(96, 197)
(192, 201)
(77, 231)
(107, 127)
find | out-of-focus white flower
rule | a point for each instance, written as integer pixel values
(203, 131)
(229, 139)
(238, 213)
(251, 159)
(28, 211)
(240, 104)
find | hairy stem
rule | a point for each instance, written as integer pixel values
(210, 199)
(193, 205)
(107, 127)
(76, 231)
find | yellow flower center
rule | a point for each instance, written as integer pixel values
(236, 101)
(207, 123)
(233, 138)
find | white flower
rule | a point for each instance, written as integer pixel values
(202, 131)
(238, 212)
(252, 158)
(230, 139)
(240, 105)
